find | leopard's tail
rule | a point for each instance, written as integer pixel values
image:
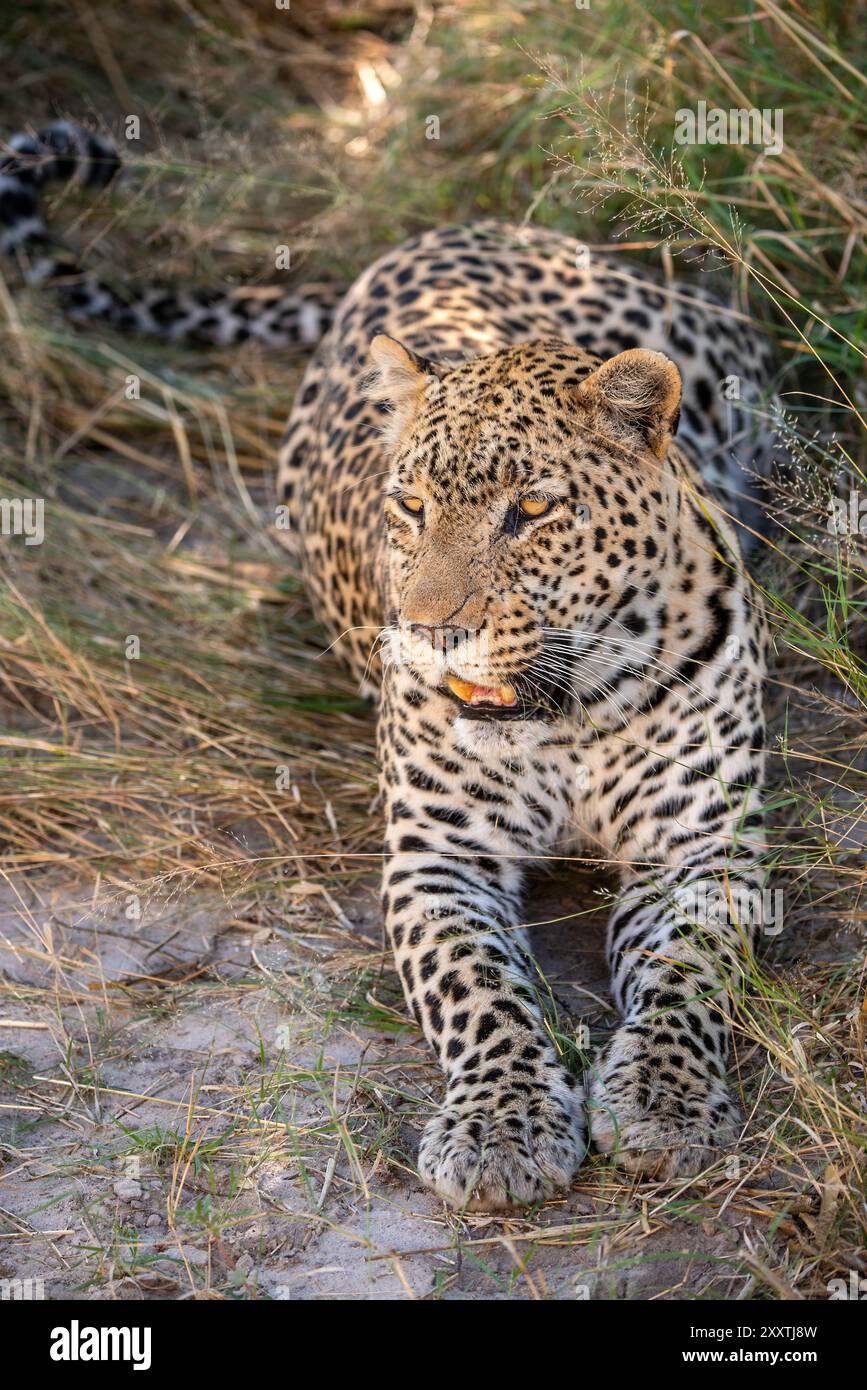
(64, 152)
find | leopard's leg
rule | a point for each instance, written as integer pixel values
(686, 828)
(459, 831)
(678, 944)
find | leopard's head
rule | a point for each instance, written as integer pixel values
(529, 495)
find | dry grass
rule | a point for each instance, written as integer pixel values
(194, 996)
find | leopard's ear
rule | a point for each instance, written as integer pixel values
(638, 391)
(399, 378)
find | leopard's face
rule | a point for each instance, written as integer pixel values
(521, 508)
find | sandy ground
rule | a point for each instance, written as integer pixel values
(193, 1109)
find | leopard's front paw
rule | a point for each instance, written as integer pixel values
(484, 1160)
(653, 1114)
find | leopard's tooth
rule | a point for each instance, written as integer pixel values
(508, 694)
(463, 689)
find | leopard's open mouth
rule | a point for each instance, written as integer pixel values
(491, 701)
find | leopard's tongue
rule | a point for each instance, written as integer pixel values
(482, 694)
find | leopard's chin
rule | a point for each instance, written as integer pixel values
(484, 738)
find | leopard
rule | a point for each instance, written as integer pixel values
(523, 503)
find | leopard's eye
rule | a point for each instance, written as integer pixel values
(535, 506)
(413, 505)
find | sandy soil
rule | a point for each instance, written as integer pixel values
(194, 1103)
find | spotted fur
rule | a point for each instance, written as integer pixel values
(502, 368)
(467, 371)
(63, 152)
